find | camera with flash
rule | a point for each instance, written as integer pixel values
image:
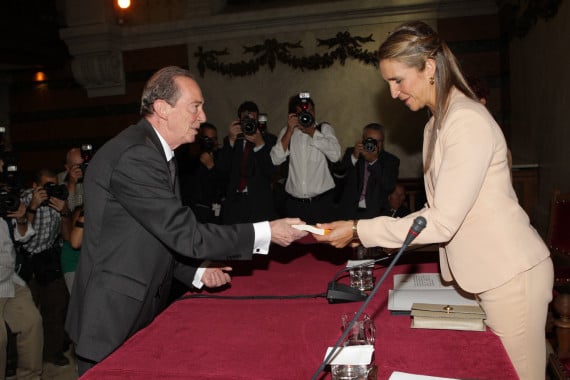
(305, 118)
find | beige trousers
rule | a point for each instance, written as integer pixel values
(516, 312)
(24, 319)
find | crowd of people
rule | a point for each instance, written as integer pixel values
(253, 175)
(89, 256)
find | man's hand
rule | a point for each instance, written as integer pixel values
(74, 175)
(292, 122)
(358, 149)
(340, 234)
(256, 139)
(38, 197)
(207, 159)
(19, 213)
(58, 205)
(214, 277)
(283, 234)
(234, 131)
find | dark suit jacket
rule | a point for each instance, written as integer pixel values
(259, 171)
(135, 225)
(382, 180)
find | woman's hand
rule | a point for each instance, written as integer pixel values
(340, 233)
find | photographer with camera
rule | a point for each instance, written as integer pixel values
(371, 174)
(246, 162)
(72, 176)
(309, 146)
(201, 184)
(49, 214)
(17, 308)
(76, 161)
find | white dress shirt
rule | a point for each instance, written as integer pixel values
(309, 174)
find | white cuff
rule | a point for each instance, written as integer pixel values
(197, 282)
(262, 238)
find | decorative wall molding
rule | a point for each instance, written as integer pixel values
(203, 24)
(342, 47)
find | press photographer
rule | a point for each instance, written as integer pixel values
(201, 185)
(245, 161)
(49, 214)
(76, 163)
(17, 308)
(310, 147)
(370, 176)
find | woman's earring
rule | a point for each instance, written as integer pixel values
(431, 81)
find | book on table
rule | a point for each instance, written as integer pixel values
(433, 304)
(426, 288)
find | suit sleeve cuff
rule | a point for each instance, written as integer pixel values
(262, 238)
(197, 282)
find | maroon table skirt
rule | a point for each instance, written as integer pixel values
(287, 338)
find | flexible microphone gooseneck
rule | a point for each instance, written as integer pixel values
(417, 227)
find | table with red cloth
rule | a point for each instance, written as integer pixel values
(217, 338)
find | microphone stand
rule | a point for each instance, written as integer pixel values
(411, 235)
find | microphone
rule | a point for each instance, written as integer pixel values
(418, 225)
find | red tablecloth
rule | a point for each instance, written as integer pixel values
(287, 339)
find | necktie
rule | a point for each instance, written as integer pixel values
(172, 169)
(243, 178)
(365, 181)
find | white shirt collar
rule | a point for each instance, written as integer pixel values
(169, 153)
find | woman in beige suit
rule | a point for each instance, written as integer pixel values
(487, 245)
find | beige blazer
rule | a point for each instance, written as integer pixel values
(472, 209)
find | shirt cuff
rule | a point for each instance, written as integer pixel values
(353, 160)
(197, 282)
(262, 238)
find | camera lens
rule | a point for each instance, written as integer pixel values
(9, 202)
(305, 119)
(369, 144)
(249, 126)
(207, 144)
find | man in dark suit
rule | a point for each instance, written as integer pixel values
(136, 225)
(245, 160)
(371, 174)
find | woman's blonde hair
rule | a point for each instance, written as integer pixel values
(412, 44)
